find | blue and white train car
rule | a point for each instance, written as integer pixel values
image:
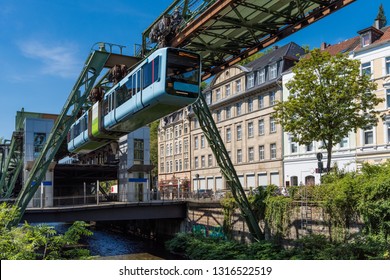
(166, 81)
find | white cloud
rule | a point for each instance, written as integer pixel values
(57, 60)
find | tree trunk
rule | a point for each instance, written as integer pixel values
(329, 159)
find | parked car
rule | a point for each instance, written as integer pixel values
(203, 193)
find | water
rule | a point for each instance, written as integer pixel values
(112, 245)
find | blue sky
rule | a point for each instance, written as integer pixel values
(44, 43)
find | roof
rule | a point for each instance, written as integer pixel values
(290, 51)
(353, 44)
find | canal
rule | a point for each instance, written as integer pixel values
(108, 244)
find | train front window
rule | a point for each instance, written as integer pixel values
(183, 67)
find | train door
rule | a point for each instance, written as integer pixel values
(109, 118)
(138, 91)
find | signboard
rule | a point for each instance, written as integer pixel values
(138, 180)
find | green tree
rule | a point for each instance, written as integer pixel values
(381, 15)
(29, 242)
(328, 99)
(154, 145)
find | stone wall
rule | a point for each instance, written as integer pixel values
(207, 218)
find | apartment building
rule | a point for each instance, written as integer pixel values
(241, 100)
(372, 47)
(174, 144)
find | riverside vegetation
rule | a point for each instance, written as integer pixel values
(345, 199)
(40, 242)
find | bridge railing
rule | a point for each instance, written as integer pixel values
(122, 197)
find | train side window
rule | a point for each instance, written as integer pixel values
(138, 77)
(105, 106)
(129, 86)
(156, 69)
(147, 74)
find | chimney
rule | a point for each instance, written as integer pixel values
(324, 45)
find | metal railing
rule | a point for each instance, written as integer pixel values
(123, 197)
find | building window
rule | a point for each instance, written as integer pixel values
(272, 125)
(273, 150)
(294, 181)
(167, 166)
(238, 109)
(180, 165)
(203, 161)
(272, 99)
(261, 102)
(186, 145)
(139, 151)
(196, 142)
(250, 105)
(217, 94)
(250, 130)
(387, 65)
(251, 80)
(238, 86)
(228, 134)
(176, 148)
(228, 112)
(388, 97)
(261, 127)
(196, 162)
(344, 143)
(239, 156)
(273, 71)
(161, 150)
(176, 165)
(366, 68)
(210, 160)
(202, 142)
(251, 154)
(185, 128)
(294, 147)
(196, 123)
(162, 167)
(369, 136)
(171, 149)
(261, 152)
(365, 39)
(227, 90)
(261, 76)
(309, 147)
(186, 165)
(171, 166)
(219, 116)
(239, 132)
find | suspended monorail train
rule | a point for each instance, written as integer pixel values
(166, 81)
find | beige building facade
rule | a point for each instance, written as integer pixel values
(241, 100)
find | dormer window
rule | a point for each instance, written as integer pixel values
(369, 35)
(366, 39)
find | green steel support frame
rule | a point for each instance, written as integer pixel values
(12, 166)
(93, 66)
(214, 139)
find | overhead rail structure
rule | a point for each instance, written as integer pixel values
(225, 32)
(12, 164)
(77, 100)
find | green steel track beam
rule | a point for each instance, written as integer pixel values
(77, 98)
(12, 166)
(214, 139)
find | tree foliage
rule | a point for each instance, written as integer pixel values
(27, 242)
(328, 99)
